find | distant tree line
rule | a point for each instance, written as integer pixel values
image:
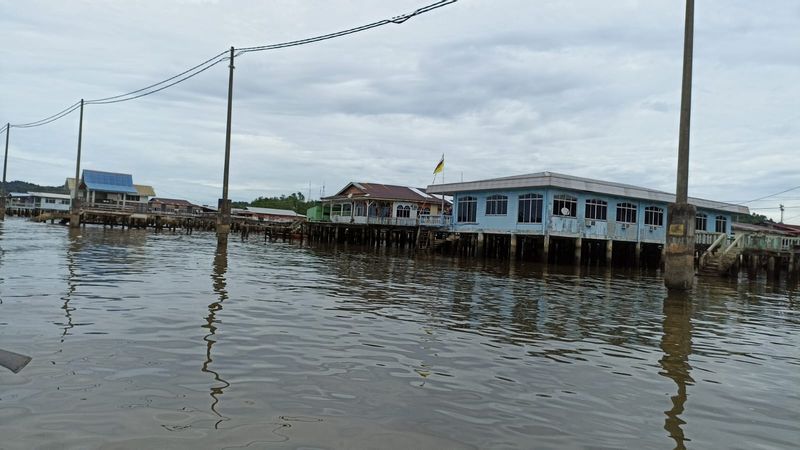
(753, 218)
(24, 186)
(295, 201)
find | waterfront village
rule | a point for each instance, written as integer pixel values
(541, 216)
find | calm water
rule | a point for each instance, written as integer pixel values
(163, 341)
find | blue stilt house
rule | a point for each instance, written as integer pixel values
(549, 205)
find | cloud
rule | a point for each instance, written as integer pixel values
(500, 87)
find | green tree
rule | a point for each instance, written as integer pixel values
(295, 201)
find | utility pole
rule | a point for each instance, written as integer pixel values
(75, 210)
(4, 180)
(224, 207)
(679, 252)
(3, 189)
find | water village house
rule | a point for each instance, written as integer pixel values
(548, 206)
(98, 188)
(270, 215)
(386, 204)
(173, 206)
(38, 202)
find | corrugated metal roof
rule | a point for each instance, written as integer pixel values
(273, 212)
(550, 179)
(379, 191)
(145, 190)
(108, 181)
(49, 195)
(171, 201)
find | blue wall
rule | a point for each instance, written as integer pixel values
(573, 226)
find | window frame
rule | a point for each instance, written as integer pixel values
(596, 206)
(701, 218)
(654, 212)
(721, 219)
(565, 201)
(533, 213)
(626, 213)
(496, 205)
(467, 209)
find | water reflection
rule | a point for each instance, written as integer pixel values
(676, 343)
(73, 248)
(220, 289)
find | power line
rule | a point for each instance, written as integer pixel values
(772, 195)
(49, 119)
(218, 58)
(209, 60)
(146, 93)
(394, 20)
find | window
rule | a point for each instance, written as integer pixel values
(49, 200)
(626, 213)
(701, 222)
(426, 211)
(65, 202)
(403, 211)
(496, 205)
(654, 215)
(133, 198)
(565, 205)
(336, 210)
(466, 209)
(722, 224)
(530, 208)
(361, 209)
(596, 209)
(346, 209)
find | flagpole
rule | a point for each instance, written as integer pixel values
(443, 192)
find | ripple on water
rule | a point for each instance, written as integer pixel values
(144, 340)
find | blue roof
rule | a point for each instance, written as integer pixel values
(108, 181)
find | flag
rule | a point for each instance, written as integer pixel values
(439, 167)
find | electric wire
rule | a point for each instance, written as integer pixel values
(218, 58)
(209, 60)
(772, 195)
(146, 93)
(49, 119)
(394, 20)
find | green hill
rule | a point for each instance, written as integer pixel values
(24, 186)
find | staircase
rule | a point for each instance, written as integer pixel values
(719, 258)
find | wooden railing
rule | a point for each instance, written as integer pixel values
(422, 220)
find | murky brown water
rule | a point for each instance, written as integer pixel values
(161, 341)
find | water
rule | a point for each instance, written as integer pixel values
(142, 340)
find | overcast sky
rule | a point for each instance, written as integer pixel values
(501, 87)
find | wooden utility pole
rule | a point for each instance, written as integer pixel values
(75, 210)
(679, 255)
(224, 207)
(3, 189)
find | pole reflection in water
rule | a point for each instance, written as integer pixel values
(219, 285)
(676, 344)
(73, 248)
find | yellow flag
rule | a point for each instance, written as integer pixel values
(439, 167)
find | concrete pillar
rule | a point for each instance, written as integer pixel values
(609, 251)
(546, 249)
(771, 267)
(638, 254)
(512, 247)
(578, 250)
(479, 247)
(679, 261)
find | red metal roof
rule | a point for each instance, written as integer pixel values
(385, 192)
(171, 201)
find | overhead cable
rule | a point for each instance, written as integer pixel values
(772, 195)
(394, 20)
(218, 58)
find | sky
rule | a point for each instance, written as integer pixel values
(500, 87)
